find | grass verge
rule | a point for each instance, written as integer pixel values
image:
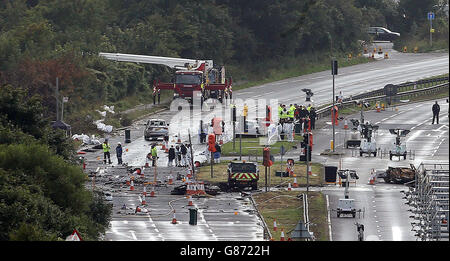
(220, 174)
(251, 146)
(287, 210)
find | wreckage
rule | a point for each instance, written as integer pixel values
(399, 175)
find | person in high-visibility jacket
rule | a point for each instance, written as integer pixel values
(291, 112)
(106, 154)
(154, 152)
(280, 111)
(245, 114)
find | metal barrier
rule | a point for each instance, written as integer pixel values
(379, 94)
(428, 196)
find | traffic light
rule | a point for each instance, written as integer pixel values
(233, 113)
(212, 142)
(267, 162)
(268, 115)
(334, 67)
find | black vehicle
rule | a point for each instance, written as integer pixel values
(382, 34)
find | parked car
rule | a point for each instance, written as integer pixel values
(382, 34)
(156, 128)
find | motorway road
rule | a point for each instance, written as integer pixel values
(386, 216)
(351, 80)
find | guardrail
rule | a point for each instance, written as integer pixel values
(403, 92)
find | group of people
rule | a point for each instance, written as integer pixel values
(302, 116)
(107, 155)
(181, 154)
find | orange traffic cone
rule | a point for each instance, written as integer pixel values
(274, 225)
(152, 193)
(289, 186)
(372, 181)
(138, 209)
(282, 235)
(143, 200)
(295, 183)
(378, 107)
(170, 179)
(132, 186)
(386, 56)
(345, 124)
(179, 138)
(163, 146)
(174, 219)
(190, 201)
(128, 182)
(145, 191)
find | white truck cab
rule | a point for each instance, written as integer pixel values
(346, 206)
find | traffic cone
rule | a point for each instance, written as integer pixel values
(282, 235)
(405, 49)
(190, 201)
(386, 56)
(179, 138)
(373, 55)
(378, 107)
(170, 180)
(145, 191)
(174, 219)
(289, 186)
(152, 193)
(166, 150)
(132, 186)
(163, 146)
(138, 209)
(345, 125)
(128, 182)
(274, 225)
(295, 183)
(340, 181)
(143, 200)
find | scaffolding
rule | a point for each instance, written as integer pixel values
(428, 198)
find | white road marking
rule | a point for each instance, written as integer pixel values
(329, 219)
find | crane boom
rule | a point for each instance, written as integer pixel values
(177, 63)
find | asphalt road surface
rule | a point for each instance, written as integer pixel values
(385, 215)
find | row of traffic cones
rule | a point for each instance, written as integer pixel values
(282, 236)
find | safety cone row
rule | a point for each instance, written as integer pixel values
(200, 188)
(295, 185)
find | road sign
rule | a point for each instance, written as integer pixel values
(430, 16)
(74, 237)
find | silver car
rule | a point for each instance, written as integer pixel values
(156, 128)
